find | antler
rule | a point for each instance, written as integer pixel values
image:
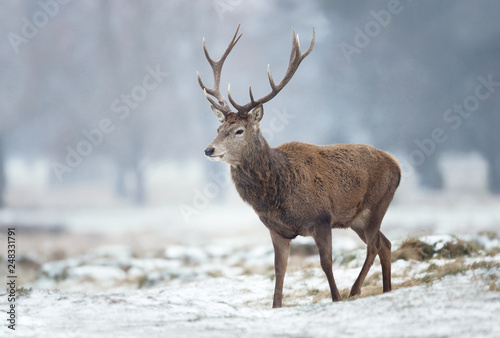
(296, 58)
(223, 106)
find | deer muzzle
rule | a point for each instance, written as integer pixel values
(209, 151)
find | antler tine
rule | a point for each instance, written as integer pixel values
(250, 92)
(296, 58)
(270, 77)
(209, 98)
(309, 50)
(235, 105)
(216, 65)
(233, 42)
(295, 46)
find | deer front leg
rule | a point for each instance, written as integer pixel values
(281, 252)
(323, 238)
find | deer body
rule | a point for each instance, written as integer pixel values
(296, 185)
(304, 189)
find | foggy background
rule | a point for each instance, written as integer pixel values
(100, 108)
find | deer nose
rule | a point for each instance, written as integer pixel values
(209, 151)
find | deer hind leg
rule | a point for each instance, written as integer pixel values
(385, 260)
(323, 238)
(376, 243)
(281, 253)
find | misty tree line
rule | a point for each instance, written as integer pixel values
(114, 82)
(79, 90)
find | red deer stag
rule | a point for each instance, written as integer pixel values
(303, 189)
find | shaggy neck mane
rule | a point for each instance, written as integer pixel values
(258, 177)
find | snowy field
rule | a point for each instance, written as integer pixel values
(239, 306)
(126, 274)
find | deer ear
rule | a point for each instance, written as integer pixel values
(220, 115)
(257, 114)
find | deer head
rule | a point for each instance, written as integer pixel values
(240, 129)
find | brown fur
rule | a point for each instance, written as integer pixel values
(298, 184)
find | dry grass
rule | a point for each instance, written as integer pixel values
(493, 281)
(371, 287)
(493, 252)
(372, 284)
(406, 284)
(21, 291)
(347, 258)
(490, 274)
(459, 248)
(458, 266)
(142, 281)
(438, 272)
(488, 265)
(303, 249)
(323, 295)
(373, 280)
(415, 249)
(494, 286)
(490, 234)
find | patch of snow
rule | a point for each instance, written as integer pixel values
(189, 254)
(99, 273)
(438, 241)
(487, 242)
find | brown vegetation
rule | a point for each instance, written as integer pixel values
(455, 254)
(416, 249)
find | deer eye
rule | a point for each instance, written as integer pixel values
(239, 132)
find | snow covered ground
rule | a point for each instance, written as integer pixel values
(132, 272)
(232, 307)
(225, 290)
